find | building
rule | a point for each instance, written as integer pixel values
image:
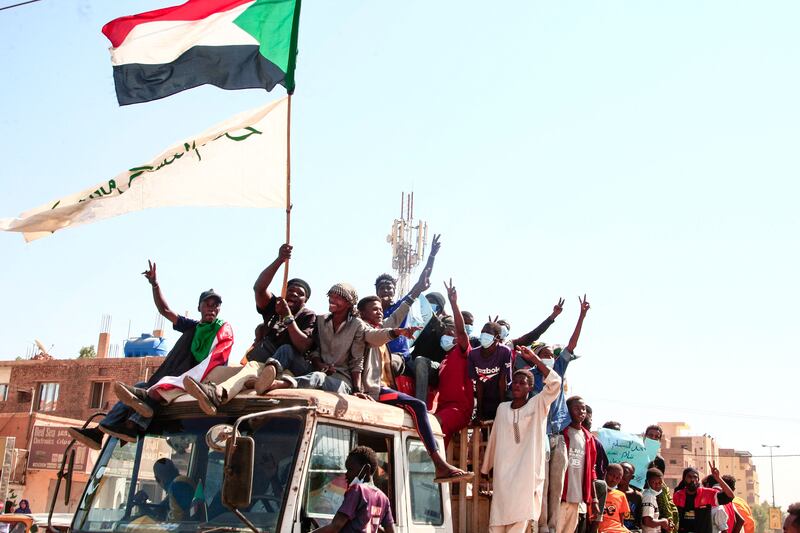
(39, 400)
(682, 450)
(740, 465)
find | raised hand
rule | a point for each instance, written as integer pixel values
(435, 245)
(495, 319)
(285, 252)
(527, 354)
(281, 307)
(422, 285)
(452, 294)
(150, 273)
(558, 308)
(714, 470)
(584, 304)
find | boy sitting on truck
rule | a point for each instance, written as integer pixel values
(377, 377)
(365, 507)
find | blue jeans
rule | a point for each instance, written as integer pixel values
(418, 412)
(291, 360)
(322, 381)
(121, 413)
(425, 372)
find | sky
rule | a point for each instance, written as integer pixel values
(643, 153)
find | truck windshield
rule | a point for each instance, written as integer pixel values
(170, 480)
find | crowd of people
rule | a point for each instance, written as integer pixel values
(548, 468)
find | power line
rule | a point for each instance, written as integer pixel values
(704, 411)
(20, 4)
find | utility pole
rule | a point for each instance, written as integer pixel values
(771, 470)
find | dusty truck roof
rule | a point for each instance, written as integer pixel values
(344, 407)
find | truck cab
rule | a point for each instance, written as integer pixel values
(181, 474)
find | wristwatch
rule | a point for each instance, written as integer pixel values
(288, 320)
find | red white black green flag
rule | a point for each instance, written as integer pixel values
(233, 44)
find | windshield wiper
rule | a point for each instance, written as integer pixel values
(221, 529)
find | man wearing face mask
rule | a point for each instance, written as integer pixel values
(558, 418)
(490, 369)
(456, 397)
(652, 520)
(365, 507)
(428, 353)
(695, 502)
(469, 325)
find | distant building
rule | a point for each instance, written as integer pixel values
(39, 399)
(740, 465)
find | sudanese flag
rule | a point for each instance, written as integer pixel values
(233, 44)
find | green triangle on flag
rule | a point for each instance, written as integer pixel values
(274, 24)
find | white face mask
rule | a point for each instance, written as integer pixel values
(447, 342)
(503, 332)
(357, 480)
(486, 339)
(549, 362)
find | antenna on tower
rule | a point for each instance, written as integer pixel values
(409, 241)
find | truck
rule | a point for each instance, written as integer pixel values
(272, 464)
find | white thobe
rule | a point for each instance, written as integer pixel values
(518, 479)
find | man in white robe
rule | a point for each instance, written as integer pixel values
(516, 450)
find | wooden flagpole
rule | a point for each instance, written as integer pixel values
(288, 189)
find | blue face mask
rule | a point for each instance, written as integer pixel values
(357, 480)
(469, 329)
(435, 308)
(503, 332)
(447, 342)
(486, 339)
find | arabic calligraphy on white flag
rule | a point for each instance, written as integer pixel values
(239, 163)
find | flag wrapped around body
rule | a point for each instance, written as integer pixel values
(233, 44)
(214, 351)
(239, 163)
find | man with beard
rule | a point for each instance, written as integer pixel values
(695, 502)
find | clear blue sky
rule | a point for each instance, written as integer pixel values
(642, 152)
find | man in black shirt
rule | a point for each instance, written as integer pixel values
(281, 343)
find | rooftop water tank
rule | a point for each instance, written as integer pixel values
(146, 345)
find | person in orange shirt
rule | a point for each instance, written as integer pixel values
(616, 503)
(741, 506)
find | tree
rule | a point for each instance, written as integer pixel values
(87, 352)
(761, 516)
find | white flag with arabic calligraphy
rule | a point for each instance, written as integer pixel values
(239, 163)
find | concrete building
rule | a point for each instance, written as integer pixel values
(680, 450)
(740, 465)
(39, 399)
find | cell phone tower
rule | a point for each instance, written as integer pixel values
(409, 241)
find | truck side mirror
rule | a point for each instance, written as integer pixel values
(68, 477)
(237, 483)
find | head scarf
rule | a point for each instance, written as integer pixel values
(346, 291)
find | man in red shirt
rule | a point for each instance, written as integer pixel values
(695, 502)
(456, 399)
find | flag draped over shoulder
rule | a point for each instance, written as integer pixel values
(239, 163)
(217, 355)
(233, 44)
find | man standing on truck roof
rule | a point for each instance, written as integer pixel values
(516, 451)
(203, 345)
(490, 368)
(287, 326)
(375, 381)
